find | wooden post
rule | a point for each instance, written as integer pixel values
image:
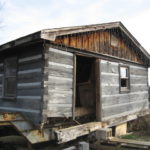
(74, 88)
(98, 92)
(83, 146)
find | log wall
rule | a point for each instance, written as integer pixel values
(28, 87)
(58, 83)
(116, 104)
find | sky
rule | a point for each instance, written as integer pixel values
(22, 17)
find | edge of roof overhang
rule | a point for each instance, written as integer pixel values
(51, 34)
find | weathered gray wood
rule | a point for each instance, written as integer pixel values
(57, 98)
(30, 58)
(59, 112)
(109, 68)
(30, 65)
(57, 58)
(29, 92)
(29, 78)
(58, 83)
(135, 71)
(115, 103)
(118, 109)
(112, 100)
(110, 90)
(109, 79)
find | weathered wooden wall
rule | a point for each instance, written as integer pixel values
(116, 104)
(109, 42)
(29, 84)
(58, 83)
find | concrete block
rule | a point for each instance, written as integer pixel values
(104, 134)
(83, 146)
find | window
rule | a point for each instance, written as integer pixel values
(10, 67)
(124, 78)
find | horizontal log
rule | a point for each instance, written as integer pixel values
(125, 98)
(118, 109)
(60, 52)
(30, 65)
(22, 104)
(29, 78)
(29, 97)
(50, 63)
(71, 133)
(57, 58)
(110, 90)
(109, 80)
(29, 85)
(31, 58)
(29, 92)
(58, 98)
(19, 110)
(30, 71)
(59, 111)
(57, 72)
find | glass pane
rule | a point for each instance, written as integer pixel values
(10, 66)
(124, 83)
(123, 72)
(10, 86)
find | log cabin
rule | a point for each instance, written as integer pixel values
(75, 74)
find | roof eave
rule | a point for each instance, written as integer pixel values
(22, 40)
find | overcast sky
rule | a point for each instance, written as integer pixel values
(21, 17)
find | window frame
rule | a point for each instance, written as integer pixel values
(5, 77)
(124, 89)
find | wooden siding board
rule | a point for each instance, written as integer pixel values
(102, 39)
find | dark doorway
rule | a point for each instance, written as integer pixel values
(85, 87)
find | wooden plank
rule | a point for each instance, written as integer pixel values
(127, 141)
(19, 110)
(29, 78)
(22, 104)
(58, 98)
(50, 63)
(108, 101)
(30, 65)
(109, 80)
(71, 133)
(57, 51)
(110, 90)
(29, 92)
(56, 57)
(59, 112)
(31, 58)
(118, 109)
(30, 71)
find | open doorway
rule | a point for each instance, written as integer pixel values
(85, 104)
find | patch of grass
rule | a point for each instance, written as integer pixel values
(137, 136)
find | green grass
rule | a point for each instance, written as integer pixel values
(136, 136)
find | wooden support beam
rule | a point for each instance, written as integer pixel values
(71, 133)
